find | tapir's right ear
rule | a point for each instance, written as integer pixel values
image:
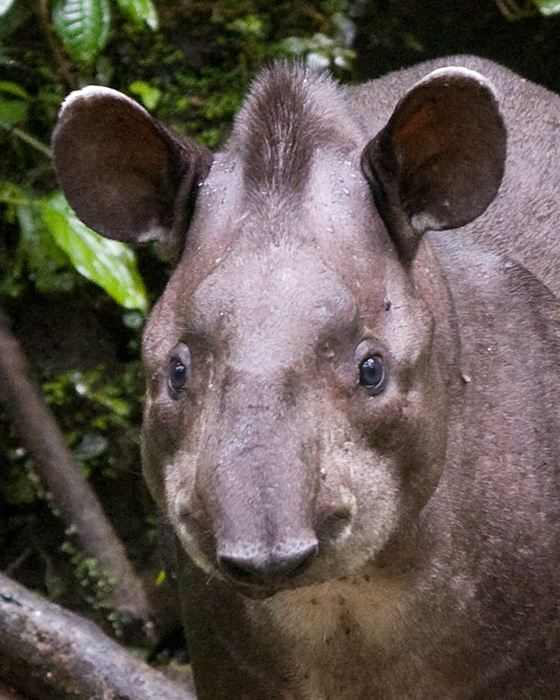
(126, 175)
(439, 161)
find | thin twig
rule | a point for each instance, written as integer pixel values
(14, 566)
(63, 67)
(31, 140)
(512, 11)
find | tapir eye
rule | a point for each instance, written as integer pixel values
(178, 370)
(373, 374)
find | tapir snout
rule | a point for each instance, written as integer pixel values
(259, 490)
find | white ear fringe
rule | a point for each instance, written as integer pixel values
(91, 92)
(459, 72)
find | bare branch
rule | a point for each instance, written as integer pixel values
(514, 10)
(56, 466)
(48, 653)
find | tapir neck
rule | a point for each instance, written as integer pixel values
(429, 279)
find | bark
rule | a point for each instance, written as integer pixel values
(71, 492)
(7, 693)
(48, 653)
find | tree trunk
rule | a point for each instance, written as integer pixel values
(7, 693)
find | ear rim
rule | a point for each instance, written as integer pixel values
(381, 168)
(188, 164)
(94, 91)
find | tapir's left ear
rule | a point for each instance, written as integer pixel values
(126, 175)
(439, 161)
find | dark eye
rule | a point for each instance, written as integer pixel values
(178, 371)
(372, 374)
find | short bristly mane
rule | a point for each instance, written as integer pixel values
(290, 113)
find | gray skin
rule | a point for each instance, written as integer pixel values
(352, 413)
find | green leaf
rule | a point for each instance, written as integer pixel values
(250, 24)
(37, 257)
(40, 258)
(149, 95)
(548, 7)
(5, 6)
(12, 111)
(139, 12)
(83, 26)
(110, 264)
(14, 88)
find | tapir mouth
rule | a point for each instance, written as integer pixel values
(253, 570)
(261, 592)
(270, 549)
(272, 559)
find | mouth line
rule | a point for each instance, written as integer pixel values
(255, 591)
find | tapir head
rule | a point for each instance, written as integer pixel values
(298, 364)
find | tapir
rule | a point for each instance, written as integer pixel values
(353, 376)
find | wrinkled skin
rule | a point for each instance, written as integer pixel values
(352, 413)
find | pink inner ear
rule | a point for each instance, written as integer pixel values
(418, 132)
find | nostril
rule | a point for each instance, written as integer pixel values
(295, 565)
(335, 521)
(238, 570)
(268, 571)
(343, 512)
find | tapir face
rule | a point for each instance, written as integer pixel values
(295, 422)
(293, 398)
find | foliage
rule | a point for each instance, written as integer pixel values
(96, 583)
(92, 408)
(514, 9)
(108, 263)
(548, 7)
(51, 237)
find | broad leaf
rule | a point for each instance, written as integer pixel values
(548, 7)
(110, 264)
(14, 88)
(83, 26)
(5, 6)
(12, 111)
(43, 261)
(139, 12)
